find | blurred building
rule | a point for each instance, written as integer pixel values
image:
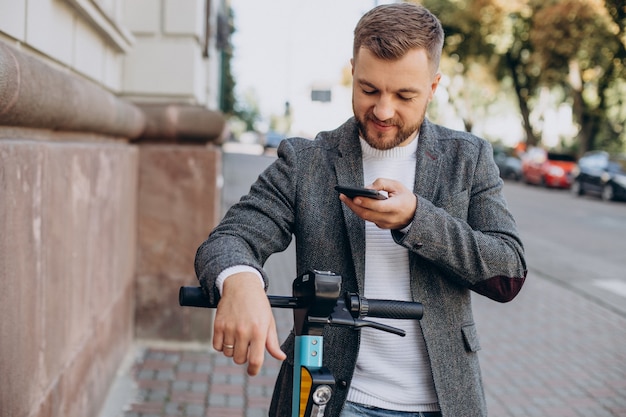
(320, 106)
(109, 179)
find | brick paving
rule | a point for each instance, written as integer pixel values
(550, 352)
(175, 382)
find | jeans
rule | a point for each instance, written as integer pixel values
(359, 410)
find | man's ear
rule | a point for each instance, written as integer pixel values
(434, 85)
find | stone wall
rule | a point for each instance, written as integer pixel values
(67, 264)
(178, 207)
(89, 184)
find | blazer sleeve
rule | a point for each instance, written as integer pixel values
(258, 225)
(471, 235)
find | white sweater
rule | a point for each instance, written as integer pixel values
(392, 372)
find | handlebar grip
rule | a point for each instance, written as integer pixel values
(193, 297)
(389, 309)
(393, 309)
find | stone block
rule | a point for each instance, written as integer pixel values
(184, 17)
(69, 104)
(178, 206)
(21, 298)
(67, 257)
(165, 67)
(85, 238)
(142, 16)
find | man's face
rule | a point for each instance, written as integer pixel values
(389, 98)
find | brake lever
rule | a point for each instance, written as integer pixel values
(378, 326)
(346, 320)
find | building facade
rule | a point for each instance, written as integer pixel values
(109, 179)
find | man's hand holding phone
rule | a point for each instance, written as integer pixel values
(394, 211)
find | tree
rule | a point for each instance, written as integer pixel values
(573, 46)
(225, 30)
(516, 62)
(494, 35)
(576, 46)
(246, 110)
(614, 102)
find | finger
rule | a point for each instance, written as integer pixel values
(256, 353)
(240, 352)
(220, 334)
(218, 337)
(357, 204)
(228, 349)
(273, 345)
(384, 184)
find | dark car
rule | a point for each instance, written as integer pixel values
(510, 166)
(601, 174)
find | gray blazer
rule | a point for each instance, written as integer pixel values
(462, 238)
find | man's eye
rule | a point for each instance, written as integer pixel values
(403, 98)
(369, 92)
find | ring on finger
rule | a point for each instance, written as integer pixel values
(228, 346)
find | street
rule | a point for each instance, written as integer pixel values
(557, 349)
(578, 241)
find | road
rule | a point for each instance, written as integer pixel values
(558, 348)
(578, 241)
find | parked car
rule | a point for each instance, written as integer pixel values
(273, 139)
(510, 166)
(549, 169)
(601, 174)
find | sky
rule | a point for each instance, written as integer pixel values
(282, 46)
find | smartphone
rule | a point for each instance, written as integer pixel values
(352, 192)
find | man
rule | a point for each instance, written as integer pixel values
(444, 231)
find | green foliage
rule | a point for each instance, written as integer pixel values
(574, 46)
(241, 111)
(227, 87)
(248, 111)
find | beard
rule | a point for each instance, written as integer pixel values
(382, 141)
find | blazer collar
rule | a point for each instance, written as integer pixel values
(428, 162)
(349, 171)
(349, 165)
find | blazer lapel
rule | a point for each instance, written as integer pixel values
(349, 171)
(427, 164)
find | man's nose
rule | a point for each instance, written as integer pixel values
(383, 109)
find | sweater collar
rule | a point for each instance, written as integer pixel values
(398, 152)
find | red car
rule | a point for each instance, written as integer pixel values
(549, 169)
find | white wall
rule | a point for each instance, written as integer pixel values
(145, 50)
(167, 62)
(73, 34)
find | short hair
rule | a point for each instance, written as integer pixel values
(389, 31)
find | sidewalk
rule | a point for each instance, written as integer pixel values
(550, 352)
